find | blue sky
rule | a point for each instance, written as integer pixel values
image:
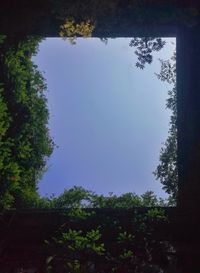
(107, 117)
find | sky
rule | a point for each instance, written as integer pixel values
(107, 118)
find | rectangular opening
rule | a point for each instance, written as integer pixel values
(108, 117)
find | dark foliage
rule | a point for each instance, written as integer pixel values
(115, 241)
(167, 171)
(145, 47)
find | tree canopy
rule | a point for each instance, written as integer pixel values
(166, 170)
(25, 143)
(79, 197)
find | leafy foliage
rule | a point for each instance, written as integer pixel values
(24, 136)
(167, 171)
(118, 242)
(78, 198)
(145, 47)
(70, 29)
(78, 245)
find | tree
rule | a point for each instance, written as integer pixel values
(167, 171)
(70, 198)
(78, 197)
(25, 143)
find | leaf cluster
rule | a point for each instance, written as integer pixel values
(78, 198)
(25, 143)
(70, 29)
(145, 47)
